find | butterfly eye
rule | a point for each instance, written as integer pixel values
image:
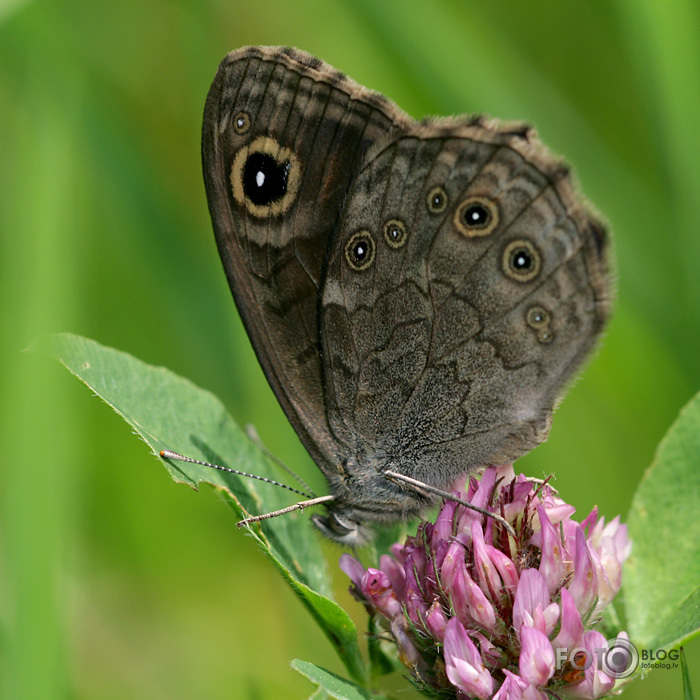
(437, 200)
(359, 250)
(395, 233)
(241, 122)
(476, 216)
(265, 177)
(521, 260)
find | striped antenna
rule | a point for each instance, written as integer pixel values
(177, 457)
(312, 500)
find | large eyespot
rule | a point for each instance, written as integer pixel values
(521, 260)
(395, 233)
(437, 200)
(265, 177)
(241, 122)
(359, 250)
(476, 216)
(537, 317)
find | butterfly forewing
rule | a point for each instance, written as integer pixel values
(282, 136)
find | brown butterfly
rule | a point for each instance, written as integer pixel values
(417, 293)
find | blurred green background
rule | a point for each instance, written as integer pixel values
(116, 583)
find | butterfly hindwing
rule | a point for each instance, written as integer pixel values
(447, 347)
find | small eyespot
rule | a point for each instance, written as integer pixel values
(545, 336)
(521, 260)
(476, 216)
(537, 317)
(437, 200)
(395, 233)
(265, 177)
(241, 122)
(359, 250)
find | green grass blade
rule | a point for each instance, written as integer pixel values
(687, 688)
(664, 41)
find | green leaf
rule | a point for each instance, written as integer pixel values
(662, 576)
(334, 685)
(169, 412)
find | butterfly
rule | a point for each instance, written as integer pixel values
(418, 293)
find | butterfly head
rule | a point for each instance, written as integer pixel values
(367, 497)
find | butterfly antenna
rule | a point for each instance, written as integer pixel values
(420, 486)
(177, 457)
(253, 435)
(297, 506)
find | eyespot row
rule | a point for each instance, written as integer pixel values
(540, 320)
(265, 179)
(360, 248)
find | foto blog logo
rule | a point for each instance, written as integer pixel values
(617, 658)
